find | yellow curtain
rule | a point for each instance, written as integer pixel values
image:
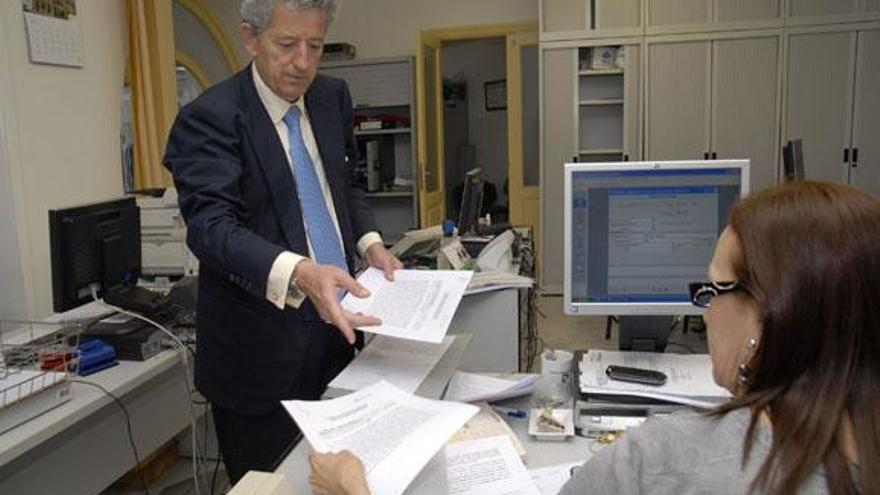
(153, 87)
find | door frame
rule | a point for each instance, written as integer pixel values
(435, 38)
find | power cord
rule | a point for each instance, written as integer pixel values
(183, 349)
(137, 458)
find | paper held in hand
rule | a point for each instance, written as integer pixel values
(417, 305)
(393, 433)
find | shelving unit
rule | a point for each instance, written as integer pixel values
(600, 119)
(383, 94)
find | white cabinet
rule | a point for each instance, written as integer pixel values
(589, 114)
(615, 14)
(745, 120)
(564, 15)
(678, 103)
(814, 8)
(865, 168)
(819, 101)
(833, 105)
(715, 99)
(558, 136)
(676, 12)
(696, 15)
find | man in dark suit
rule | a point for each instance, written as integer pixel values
(263, 164)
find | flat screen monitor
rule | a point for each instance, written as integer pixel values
(471, 201)
(636, 233)
(97, 246)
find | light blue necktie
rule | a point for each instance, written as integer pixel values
(319, 224)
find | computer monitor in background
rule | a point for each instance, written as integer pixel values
(98, 247)
(793, 160)
(471, 201)
(636, 233)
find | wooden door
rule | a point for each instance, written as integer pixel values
(429, 99)
(522, 129)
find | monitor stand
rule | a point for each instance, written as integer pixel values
(644, 333)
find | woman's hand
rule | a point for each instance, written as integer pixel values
(338, 474)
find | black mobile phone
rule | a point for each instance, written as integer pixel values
(635, 375)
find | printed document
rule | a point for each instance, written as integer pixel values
(393, 433)
(402, 363)
(487, 465)
(689, 377)
(417, 305)
(471, 387)
(551, 479)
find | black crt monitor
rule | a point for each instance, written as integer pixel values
(97, 247)
(471, 201)
(793, 160)
(637, 233)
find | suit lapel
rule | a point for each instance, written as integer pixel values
(269, 153)
(324, 122)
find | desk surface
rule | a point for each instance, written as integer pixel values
(85, 400)
(539, 453)
(45, 454)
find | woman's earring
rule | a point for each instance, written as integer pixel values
(744, 373)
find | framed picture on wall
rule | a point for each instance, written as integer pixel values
(496, 94)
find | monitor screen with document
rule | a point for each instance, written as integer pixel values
(636, 233)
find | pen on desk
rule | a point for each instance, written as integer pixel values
(514, 413)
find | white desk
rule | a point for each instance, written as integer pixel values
(295, 466)
(82, 446)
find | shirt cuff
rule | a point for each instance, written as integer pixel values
(366, 241)
(279, 280)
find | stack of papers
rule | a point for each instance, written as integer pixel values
(487, 465)
(551, 479)
(472, 387)
(495, 280)
(689, 377)
(487, 423)
(393, 433)
(417, 305)
(402, 363)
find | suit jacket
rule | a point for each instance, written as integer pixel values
(238, 196)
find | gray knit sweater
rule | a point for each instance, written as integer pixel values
(683, 453)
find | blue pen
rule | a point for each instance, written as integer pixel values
(514, 413)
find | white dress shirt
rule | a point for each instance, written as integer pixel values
(285, 263)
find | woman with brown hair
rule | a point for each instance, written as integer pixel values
(793, 323)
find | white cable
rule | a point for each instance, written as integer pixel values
(178, 345)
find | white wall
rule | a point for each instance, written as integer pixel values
(382, 28)
(62, 127)
(480, 61)
(385, 28)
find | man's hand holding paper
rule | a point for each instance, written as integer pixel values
(417, 305)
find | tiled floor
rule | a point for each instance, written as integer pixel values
(555, 329)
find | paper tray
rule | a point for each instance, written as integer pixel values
(564, 416)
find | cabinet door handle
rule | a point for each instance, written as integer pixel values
(846, 155)
(714, 155)
(855, 153)
(705, 155)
